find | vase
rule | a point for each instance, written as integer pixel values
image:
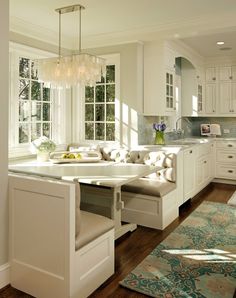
(159, 138)
(42, 156)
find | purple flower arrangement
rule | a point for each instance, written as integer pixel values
(159, 126)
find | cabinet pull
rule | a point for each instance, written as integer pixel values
(213, 78)
(230, 145)
(231, 77)
(190, 151)
(230, 171)
(205, 161)
(230, 156)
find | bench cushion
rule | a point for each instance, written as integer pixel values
(151, 187)
(91, 227)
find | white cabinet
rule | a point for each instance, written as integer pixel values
(220, 90)
(204, 165)
(227, 89)
(210, 90)
(225, 159)
(198, 168)
(210, 98)
(211, 75)
(189, 158)
(159, 80)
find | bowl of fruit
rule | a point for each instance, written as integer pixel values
(75, 157)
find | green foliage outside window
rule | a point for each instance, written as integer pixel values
(100, 108)
(34, 104)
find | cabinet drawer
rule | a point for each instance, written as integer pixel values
(226, 156)
(225, 171)
(226, 144)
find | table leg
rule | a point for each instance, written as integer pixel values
(117, 206)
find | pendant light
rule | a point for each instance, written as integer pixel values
(66, 71)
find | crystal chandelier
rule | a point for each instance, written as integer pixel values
(65, 71)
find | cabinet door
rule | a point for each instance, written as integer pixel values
(210, 104)
(170, 92)
(211, 74)
(233, 97)
(189, 173)
(233, 72)
(225, 73)
(199, 98)
(225, 97)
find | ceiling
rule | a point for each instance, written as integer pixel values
(197, 23)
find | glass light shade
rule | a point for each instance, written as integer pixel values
(83, 69)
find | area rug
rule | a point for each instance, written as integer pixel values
(232, 200)
(197, 260)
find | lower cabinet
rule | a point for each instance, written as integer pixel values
(198, 169)
(189, 158)
(225, 159)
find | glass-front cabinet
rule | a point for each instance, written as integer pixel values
(170, 96)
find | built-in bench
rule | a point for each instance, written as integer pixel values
(56, 250)
(149, 201)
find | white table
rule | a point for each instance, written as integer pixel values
(102, 174)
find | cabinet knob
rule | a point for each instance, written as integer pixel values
(214, 78)
(230, 156)
(231, 77)
(213, 111)
(230, 171)
(190, 151)
(205, 161)
(230, 145)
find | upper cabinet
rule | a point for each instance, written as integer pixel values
(220, 90)
(159, 80)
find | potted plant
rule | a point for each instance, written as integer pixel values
(159, 136)
(42, 147)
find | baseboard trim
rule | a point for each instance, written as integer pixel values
(4, 275)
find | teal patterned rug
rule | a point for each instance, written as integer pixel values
(197, 260)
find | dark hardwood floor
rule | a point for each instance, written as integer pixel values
(134, 247)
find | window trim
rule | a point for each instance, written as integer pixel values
(23, 150)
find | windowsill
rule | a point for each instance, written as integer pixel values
(22, 153)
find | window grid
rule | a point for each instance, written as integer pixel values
(104, 104)
(29, 78)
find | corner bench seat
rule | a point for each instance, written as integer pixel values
(91, 227)
(151, 187)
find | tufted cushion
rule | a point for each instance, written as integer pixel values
(115, 154)
(137, 156)
(147, 186)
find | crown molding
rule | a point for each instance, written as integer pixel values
(44, 34)
(188, 27)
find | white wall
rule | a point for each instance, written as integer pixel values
(4, 49)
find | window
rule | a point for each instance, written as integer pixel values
(34, 109)
(35, 104)
(100, 107)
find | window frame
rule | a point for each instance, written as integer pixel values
(111, 59)
(59, 109)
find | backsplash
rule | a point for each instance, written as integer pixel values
(228, 123)
(191, 127)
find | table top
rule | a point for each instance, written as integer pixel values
(103, 173)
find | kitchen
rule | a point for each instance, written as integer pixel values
(142, 98)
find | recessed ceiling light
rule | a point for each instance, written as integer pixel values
(220, 43)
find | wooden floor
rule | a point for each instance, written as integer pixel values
(134, 247)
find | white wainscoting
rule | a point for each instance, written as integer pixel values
(4, 275)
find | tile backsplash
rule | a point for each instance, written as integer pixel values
(191, 127)
(226, 123)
